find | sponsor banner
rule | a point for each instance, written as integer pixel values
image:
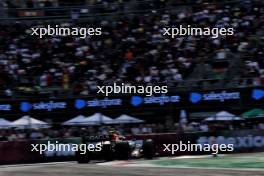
(103, 103)
(243, 141)
(154, 100)
(5, 107)
(247, 97)
(44, 106)
(214, 96)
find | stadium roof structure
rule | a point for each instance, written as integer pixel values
(223, 116)
(29, 122)
(96, 119)
(253, 113)
(127, 119)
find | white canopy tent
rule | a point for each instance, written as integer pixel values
(127, 119)
(4, 123)
(29, 122)
(75, 121)
(223, 116)
(183, 117)
(96, 119)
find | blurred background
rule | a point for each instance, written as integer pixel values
(48, 86)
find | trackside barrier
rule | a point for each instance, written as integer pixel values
(14, 152)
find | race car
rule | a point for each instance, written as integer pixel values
(115, 149)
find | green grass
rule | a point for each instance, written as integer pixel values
(231, 161)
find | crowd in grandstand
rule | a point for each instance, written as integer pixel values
(133, 50)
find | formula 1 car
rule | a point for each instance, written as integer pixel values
(111, 150)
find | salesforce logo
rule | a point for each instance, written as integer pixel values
(222, 96)
(161, 100)
(195, 97)
(136, 100)
(104, 103)
(48, 106)
(257, 94)
(79, 104)
(25, 106)
(5, 107)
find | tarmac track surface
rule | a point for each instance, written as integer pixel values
(74, 169)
